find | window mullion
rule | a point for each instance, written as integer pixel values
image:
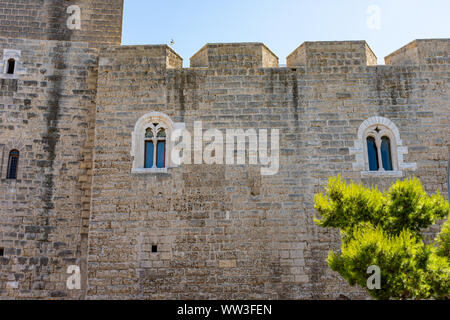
(380, 158)
(155, 151)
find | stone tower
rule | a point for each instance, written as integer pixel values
(97, 22)
(48, 84)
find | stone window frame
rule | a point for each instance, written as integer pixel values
(138, 141)
(13, 154)
(398, 150)
(14, 144)
(9, 54)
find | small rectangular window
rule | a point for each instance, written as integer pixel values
(154, 249)
(2, 252)
(11, 66)
(13, 165)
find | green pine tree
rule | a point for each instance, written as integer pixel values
(384, 230)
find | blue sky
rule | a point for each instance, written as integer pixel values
(284, 24)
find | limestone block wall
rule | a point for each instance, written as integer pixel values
(47, 113)
(101, 20)
(332, 54)
(422, 51)
(225, 231)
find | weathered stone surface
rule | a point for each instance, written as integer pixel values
(221, 231)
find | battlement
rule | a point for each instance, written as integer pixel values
(232, 55)
(332, 53)
(98, 22)
(133, 58)
(320, 54)
(317, 56)
(421, 51)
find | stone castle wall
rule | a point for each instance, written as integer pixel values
(226, 232)
(47, 114)
(221, 231)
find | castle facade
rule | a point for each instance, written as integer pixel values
(89, 185)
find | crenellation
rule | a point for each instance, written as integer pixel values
(234, 55)
(332, 55)
(422, 51)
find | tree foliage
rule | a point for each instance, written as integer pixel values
(384, 229)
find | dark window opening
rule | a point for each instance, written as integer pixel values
(11, 66)
(2, 252)
(372, 154)
(13, 164)
(386, 154)
(161, 154)
(154, 249)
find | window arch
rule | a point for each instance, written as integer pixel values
(11, 66)
(13, 165)
(151, 143)
(379, 150)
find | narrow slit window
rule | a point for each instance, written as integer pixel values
(2, 252)
(386, 156)
(11, 66)
(372, 153)
(13, 164)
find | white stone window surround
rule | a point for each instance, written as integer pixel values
(138, 141)
(16, 143)
(9, 54)
(398, 150)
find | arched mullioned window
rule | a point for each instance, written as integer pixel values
(13, 165)
(379, 148)
(152, 142)
(155, 146)
(11, 66)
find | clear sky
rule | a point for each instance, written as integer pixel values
(283, 25)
